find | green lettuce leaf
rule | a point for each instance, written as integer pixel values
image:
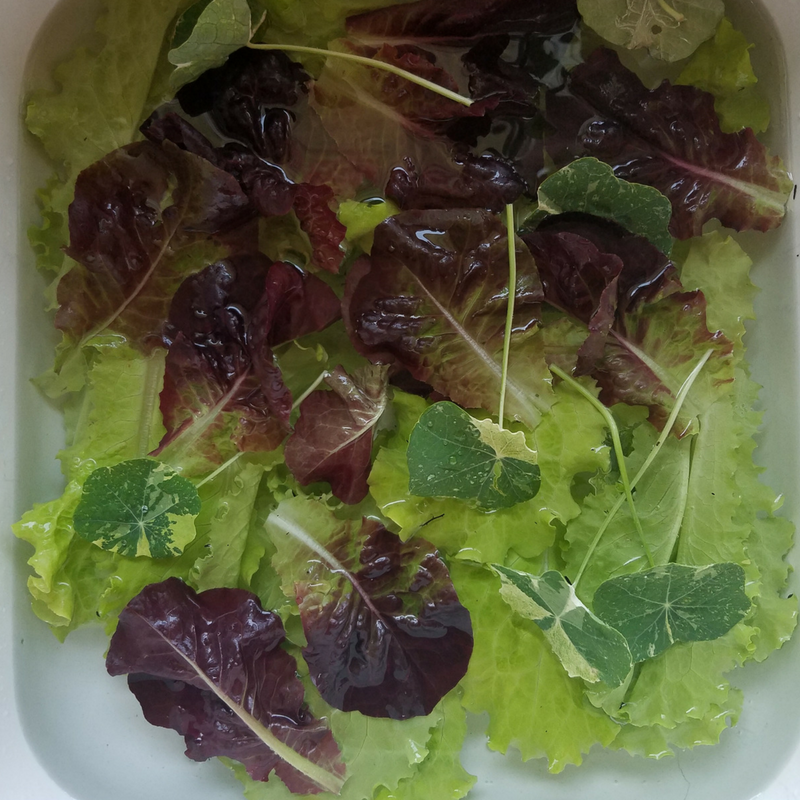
(103, 96)
(515, 677)
(722, 67)
(716, 265)
(669, 29)
(441, 774)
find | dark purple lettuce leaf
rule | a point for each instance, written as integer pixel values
(143, 218)
(668, 138)
(251, 99)
(332, 439)
(386, 633)
(221, 378)
(433, 300)
(210, 667)
(460, 21)
(485, 181)
(644, 334)
(266, 185)
(378, 119)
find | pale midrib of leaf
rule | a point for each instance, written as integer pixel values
(294, 530)
(495, 368)
(326, 780)
(191, 434)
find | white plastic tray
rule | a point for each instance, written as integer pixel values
(67, 730)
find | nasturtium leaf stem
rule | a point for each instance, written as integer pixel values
(369, 62)
(512, 296)
(623, 470)
(679, 401)
(676, 15)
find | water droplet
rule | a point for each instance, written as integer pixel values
(429, 423)
(453, 460)
(145, 509)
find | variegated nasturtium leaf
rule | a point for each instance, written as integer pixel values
(206, 34)
(140, 507)
(590, 186)
(673, 603)
(669, 29)
(586, 646)
(451, 454)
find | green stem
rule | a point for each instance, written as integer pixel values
(676, 15)
(310, 389)
(220, 470)
(679, 401)
(369, 62)
(623, 470)
(512, 296)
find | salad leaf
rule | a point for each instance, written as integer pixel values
(515, 677)
(379, 120)
(102, 96)
(670, 29)
(589, 186)
(673, 603)
(332, 439)
(609, 114)
(222, 388)
(386, 633)
(441, 773)
(451, 454)
(210, 666)
(138, 508)
(638, 352)
(362, 218)
(453, 22)
(722, 67)
(433, 299)
(234, 543)
(586, 646)
(141, 221)
(207, 33)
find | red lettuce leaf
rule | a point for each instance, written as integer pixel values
(644, 333)
(386, 633)
(332, 439)
(669, 138)
(210, 666)
(378, 120)
(433, 299)
(460, 21)
(141, 219)
(485, 181)
(220, 368)
(266, 185)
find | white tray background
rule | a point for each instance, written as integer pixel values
(67, 730)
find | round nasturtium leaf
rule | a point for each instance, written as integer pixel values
(451, 454)
(140, 507)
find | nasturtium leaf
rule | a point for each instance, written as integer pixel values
(451, 454)
(206, 35)
(586, 646)
(722, 67)
(673, 603)
(590, 186)
(670, 29)
(140, 507)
